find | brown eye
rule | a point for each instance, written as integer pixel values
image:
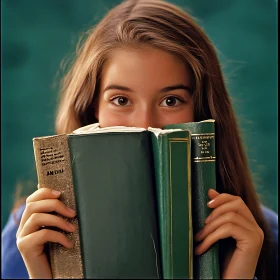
(121, 101)
(171, 101)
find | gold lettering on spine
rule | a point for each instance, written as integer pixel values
(204, 142)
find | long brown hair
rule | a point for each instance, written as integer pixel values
(162, 25)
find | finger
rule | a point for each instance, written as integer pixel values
(228, 203)
(224, 231)
(230, 217)
(212, 193)
(44, 206)
(34, 243)
(40, 194)
(43, 193)
(37, 220)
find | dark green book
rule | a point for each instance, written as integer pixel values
(173, 183)
(206, 266)
(108, 175)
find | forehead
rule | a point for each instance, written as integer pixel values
(145, 65)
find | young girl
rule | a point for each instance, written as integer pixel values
(147, 63)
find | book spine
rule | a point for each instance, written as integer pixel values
(204, 178)
(54, 171)
(173, 184)
(203, 156)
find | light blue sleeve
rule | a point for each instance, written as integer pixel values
(12, 263)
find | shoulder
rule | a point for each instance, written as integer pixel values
(272, 220)
(12, 223)
(12, 262)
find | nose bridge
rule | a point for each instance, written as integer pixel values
(144, 117)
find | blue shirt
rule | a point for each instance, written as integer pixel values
(12, 262)
(13, 265)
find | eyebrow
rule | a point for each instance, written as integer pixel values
(163, 90)
(180, 86)
(117, 87)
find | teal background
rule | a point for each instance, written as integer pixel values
(38, 35)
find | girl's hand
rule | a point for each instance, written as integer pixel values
(30, 235)
(232, 218)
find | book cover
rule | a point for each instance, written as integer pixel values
(108, 178)
(203, 157)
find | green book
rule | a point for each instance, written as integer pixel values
(206, 266)
(173, 183)
(108, 175)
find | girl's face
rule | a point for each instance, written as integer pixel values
(144, 87)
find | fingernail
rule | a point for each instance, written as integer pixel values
(72, 211)
(210, 202)
(71, 226)
(70, 244)
(54, 192)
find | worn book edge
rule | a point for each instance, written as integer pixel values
(54, 171)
